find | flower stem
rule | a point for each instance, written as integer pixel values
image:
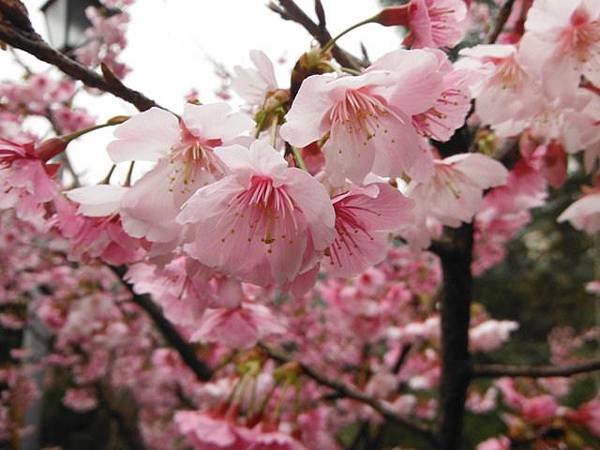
(298, 158)
(332, 42)
(274, 130)
(106, 179)
(109, 123)
(129, 173)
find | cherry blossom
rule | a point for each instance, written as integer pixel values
(503, 80)
(26, 180)
(562, 43)
(184, 151)
(364, 217)
(584, 214)
(253, 84)
(239, 294)
(365, 117)
(454, 193)
(263, 222)
(430, 23)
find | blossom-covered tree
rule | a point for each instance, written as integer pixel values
(297, 272)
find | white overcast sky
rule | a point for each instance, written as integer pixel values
(171, 42)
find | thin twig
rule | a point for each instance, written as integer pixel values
(402, 357)
(349, 392)
(168, 331)
(32, 43)
(20, 62)
(500, 21)
(289, 10)
(502, 370)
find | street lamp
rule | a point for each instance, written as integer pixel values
(67, 22)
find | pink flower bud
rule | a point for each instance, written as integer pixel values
(393, 16)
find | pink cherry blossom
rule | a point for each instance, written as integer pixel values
(365, 132)
(205, 432)
(364, 217)
(435, 23)
(105, 40)
(505, 211)
(584, 214)
(454, 193)
(503, 80)
(26, 181)
(184, 150)
(238, 327)
(70, 119)
(93, 236)
(182, 288)
(263, 222)
(445, 99)
(500, 443)
(253, 84)
(549, 159)
(491, 334)
(588, 415)
(539, 409)
(259, 439)
(482, 403)
(562, 42)
(80, 399)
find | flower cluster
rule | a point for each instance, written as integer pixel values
(311, 219)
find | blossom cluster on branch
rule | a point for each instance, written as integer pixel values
(308, 223)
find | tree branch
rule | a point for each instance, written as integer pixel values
(502, 370)
(346, 391)
(32, 43)
(168, 331)
(500, 21)
(289, 10)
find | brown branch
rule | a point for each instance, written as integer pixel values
(500, 21)
(345, 391)
(502, 370)
(168, 331)
(402, 357)
(32, 43)
(289, 10)
(21, 63)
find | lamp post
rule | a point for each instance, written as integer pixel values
(67, 22)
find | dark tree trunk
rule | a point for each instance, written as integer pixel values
(455, 317)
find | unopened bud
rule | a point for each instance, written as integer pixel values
(310, 63)
(116, 120)
(393, 16)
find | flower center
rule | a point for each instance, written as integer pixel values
(509, 73)
(191, 157)
(265, 212)
(582, 37)
(360, 113)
